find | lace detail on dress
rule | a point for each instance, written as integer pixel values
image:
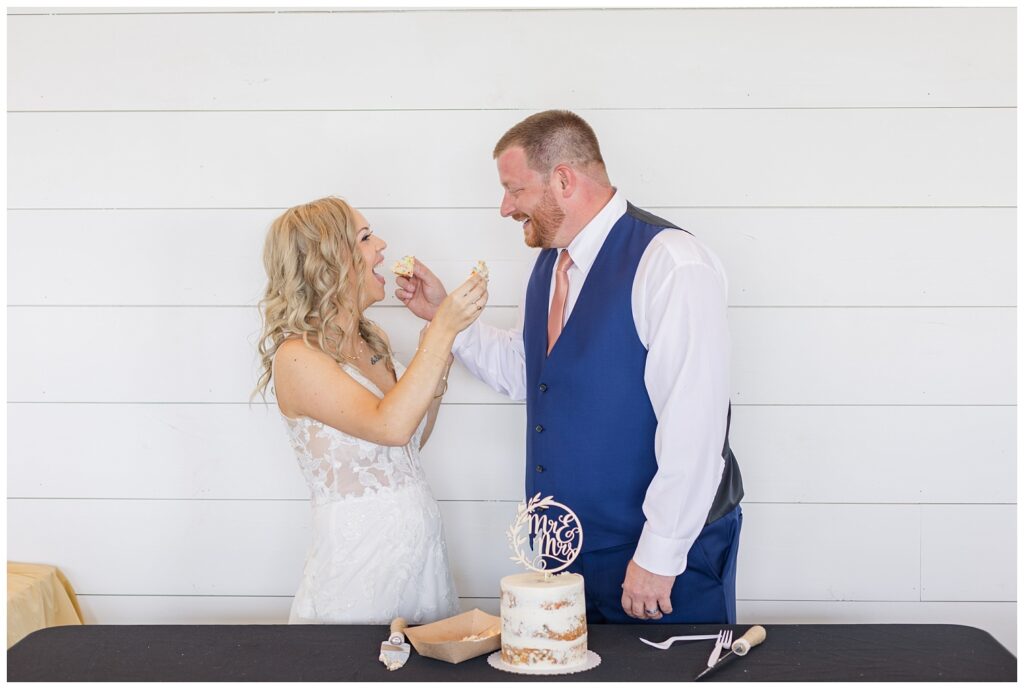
(339, 466)
(378, 549)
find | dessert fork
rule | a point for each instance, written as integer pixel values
(724, 641)
(671, 640)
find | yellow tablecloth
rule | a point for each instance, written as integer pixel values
(38, 596)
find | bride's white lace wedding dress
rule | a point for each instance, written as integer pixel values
(378, 548)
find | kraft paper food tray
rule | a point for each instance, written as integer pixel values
(443, 639)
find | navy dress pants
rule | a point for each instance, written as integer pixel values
(704, 593)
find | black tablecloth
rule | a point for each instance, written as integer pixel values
(346, 653)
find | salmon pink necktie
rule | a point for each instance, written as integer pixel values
(556, 315)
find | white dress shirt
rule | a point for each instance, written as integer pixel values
(679, 310)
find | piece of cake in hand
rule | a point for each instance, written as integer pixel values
(404, 266)
(481, 269)
(543, 621)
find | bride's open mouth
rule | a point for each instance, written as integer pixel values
(380, 278)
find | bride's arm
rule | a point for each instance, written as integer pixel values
(442, 387)
(435, 406)
(310, 383)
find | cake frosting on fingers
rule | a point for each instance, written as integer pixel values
(543, 621)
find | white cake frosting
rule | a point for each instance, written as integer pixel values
(543, 622)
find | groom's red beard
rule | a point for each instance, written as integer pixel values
(545, 220)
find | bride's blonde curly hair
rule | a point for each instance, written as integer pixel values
(309, 253)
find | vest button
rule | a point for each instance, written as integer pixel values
(540, 469)
(538, 428)
(543, 387)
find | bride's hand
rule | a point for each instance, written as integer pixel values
(463, 306)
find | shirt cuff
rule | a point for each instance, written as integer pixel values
(660, 555)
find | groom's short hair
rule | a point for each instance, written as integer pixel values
(553, 137)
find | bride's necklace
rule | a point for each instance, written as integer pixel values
(359, 352)
(373, 359)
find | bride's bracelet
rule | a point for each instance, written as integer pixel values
(443, 361)
(448, 370)
(444, 389)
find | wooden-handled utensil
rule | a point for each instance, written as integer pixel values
(395, 651)
(741, 647)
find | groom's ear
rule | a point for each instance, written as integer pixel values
(565, 177)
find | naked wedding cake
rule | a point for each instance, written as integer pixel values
(543, 621)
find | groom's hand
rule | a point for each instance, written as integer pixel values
(643, 591)
(422, 293)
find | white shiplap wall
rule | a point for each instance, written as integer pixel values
(853, 168)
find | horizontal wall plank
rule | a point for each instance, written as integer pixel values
(969, 552)
(998, 619)
(786, 454)
(489, 59)
(478, 546)
(876, 454)
(773, 257)
(240, 548)
(214, 451)
(813, 157)
(871, 356)
(101, 609)
(142, 357)
(780, 356)
(203, 451)
(165, 547)
(829, 552)
(249, 548)
(151, 257)
(477, 452)
(861, 257)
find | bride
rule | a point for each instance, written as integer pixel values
(357, 419)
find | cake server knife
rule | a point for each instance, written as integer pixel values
(395, 651)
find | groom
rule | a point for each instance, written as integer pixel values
(623, 360)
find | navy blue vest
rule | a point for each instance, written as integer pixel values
(590, 424)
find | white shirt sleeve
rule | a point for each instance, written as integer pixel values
(679, 307)
(495, 356)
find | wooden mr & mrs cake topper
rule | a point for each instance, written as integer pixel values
(556, 534)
